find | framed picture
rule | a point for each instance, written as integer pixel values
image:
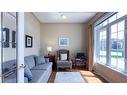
(13, 39)
(5, 38)
(28, 41)
(63, 41)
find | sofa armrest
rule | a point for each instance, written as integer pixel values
(25, 80)
(47, 60)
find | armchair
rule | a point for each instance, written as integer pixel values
(63, 60)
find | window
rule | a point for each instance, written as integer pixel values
(110, 41)
(117, 45)
(102, 47)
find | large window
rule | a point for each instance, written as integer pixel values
(102, 47)
(117, 46)
(110, 41)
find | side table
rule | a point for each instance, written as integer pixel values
(52, 59)
(81, 62)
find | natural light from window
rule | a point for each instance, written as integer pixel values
(110, 42)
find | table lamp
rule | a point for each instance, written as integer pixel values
(49, 49)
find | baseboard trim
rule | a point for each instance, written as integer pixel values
(98, 73)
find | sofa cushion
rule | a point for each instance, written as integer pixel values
(38, 75)
(42, 66)
(39, 60)
(8, 65)
(30, 61)
(5, 70)
(10, 78)
(63, 56)
(27, 73)
(25, 80)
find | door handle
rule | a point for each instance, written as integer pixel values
(22, 66)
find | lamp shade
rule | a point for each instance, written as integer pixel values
(49, 48)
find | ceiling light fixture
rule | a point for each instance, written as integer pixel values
(63, 16)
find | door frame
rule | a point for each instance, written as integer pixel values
(19, 48)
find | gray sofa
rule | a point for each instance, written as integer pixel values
(40, 73)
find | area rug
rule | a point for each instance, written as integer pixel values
(68, 77)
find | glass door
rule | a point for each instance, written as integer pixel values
(8, 50)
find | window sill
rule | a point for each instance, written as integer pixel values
(116, 70)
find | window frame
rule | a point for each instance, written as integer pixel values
(108, 30)
(125, 34)
(101, 30)
(110, 44)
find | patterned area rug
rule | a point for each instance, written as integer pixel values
(68, 77)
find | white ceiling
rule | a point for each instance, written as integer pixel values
(72, 17)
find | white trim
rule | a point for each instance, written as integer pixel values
(108, 45)
(111, 23)
(125, 44)
(20, 47)
(106, 16)
(98, 73)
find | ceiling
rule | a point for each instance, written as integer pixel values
(71, 17)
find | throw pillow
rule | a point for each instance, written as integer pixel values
(40, 60)
(63, 56)
(27, 73)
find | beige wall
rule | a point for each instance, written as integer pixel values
(32, 28)
(50, 34)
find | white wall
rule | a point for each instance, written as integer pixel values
(50, 34)
(32, 28)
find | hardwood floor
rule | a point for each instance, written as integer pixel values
(88, 76)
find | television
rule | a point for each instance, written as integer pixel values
(80, 55)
